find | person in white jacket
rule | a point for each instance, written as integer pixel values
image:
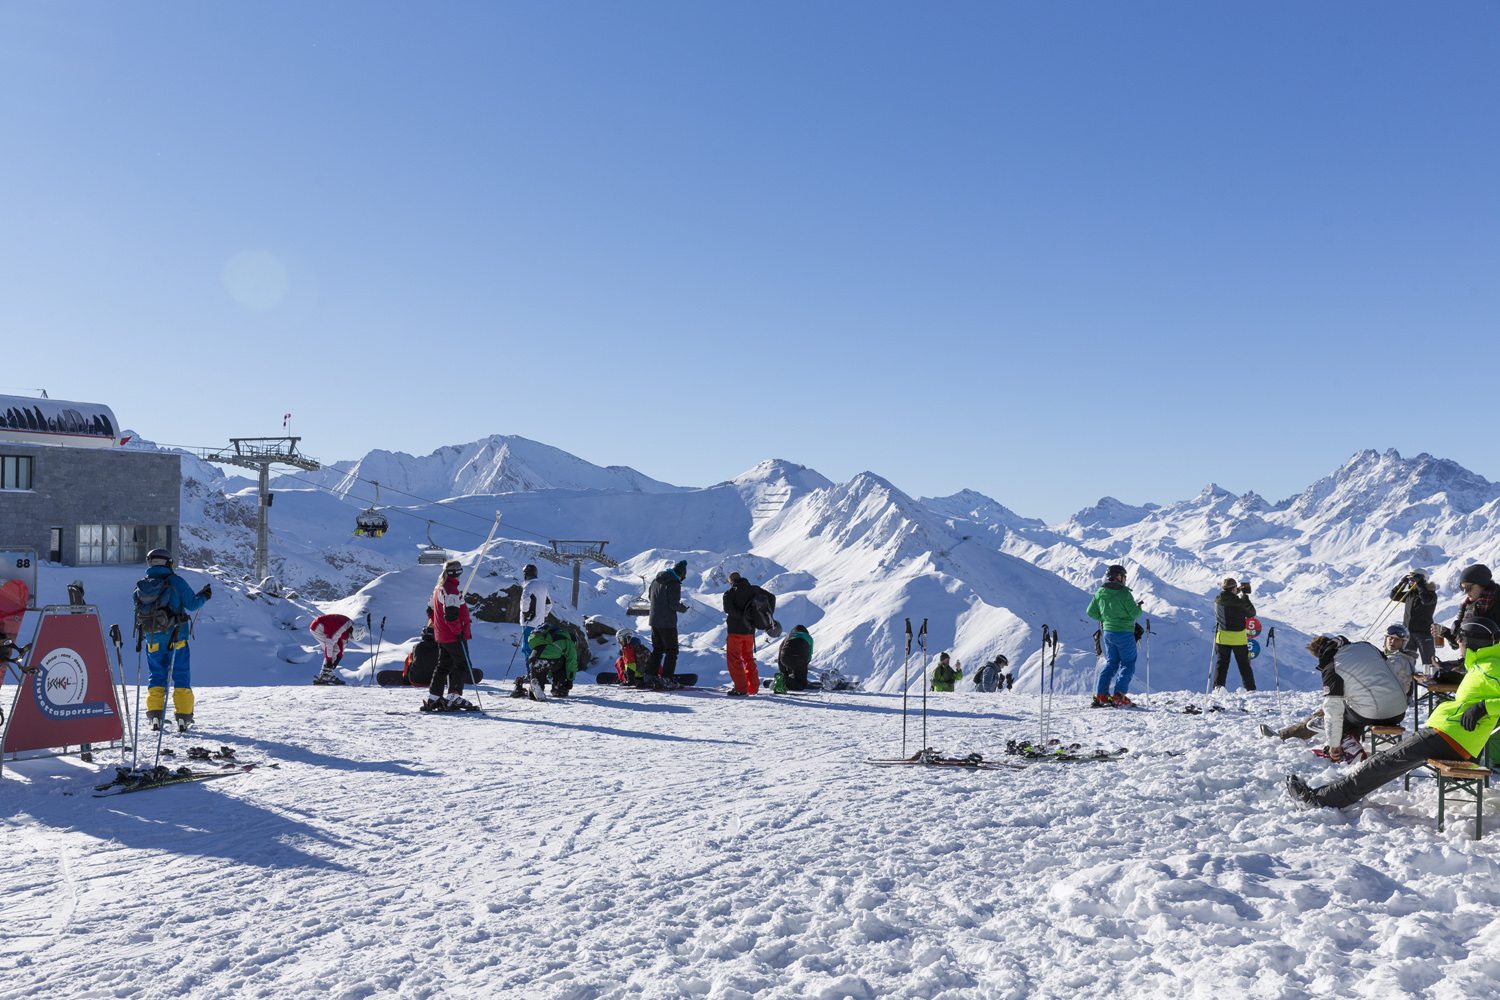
(536, 602)
(1362, 686)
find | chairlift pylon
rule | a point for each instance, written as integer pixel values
(370, 523)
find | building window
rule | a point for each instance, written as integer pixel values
(15, 472)
(90, 545)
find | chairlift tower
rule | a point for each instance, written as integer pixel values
(260, 454)
(577, 551)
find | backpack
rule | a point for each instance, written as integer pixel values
(760, 614)
(153, 606)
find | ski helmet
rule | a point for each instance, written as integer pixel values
(1478, 573)
(624, 636)
(453, 567)
(1115, 572)
(1477, 633)
(529, 572)
(159, 557)
(1399, 631)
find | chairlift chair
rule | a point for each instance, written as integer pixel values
(370, 523)
(640, 606)
(431, 554)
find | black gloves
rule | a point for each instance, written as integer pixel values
(1472, 715)
(1245, 588)
(682, 607)
(206, 592)
(1139, 632)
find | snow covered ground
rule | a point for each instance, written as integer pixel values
(623, 844)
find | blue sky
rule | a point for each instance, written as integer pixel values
(1046, 251)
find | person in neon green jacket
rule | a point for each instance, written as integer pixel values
(1456, 730)
(944, 675)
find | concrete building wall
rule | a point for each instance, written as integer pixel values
(87, 486)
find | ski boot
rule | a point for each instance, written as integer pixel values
(1102, 701)
(1122, 701)
(434, 704)
(184, 723)
(458, 703)
(328, 677)
(155, 716)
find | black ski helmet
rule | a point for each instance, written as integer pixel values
(1477, 633)
(1399, 631)
(1478, 573)
(453, 567)
(159, 557)
(1115, 573)
(529, 573)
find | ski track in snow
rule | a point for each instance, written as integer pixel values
(623, 844)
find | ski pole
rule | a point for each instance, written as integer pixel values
(905, 683)
(1390, 606)
(135, 748)
(1147, 638)
(114, 637)
(1275, 673)
(379, 640)
(1052, 682)
(1041, 687)
(368, 629)
(922, 641)
(161, 727)
(469, 668)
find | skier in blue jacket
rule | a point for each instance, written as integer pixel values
(167, 651)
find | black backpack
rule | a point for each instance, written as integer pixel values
(153, 606)
(761, 612)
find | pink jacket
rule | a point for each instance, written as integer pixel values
(446, 595)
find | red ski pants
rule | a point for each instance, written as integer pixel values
(742, 664)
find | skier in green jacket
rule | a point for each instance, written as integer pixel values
(1456, 730)
(1115, 609)
(944, 675)
(553, 654)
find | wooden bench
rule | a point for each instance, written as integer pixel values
(1385, 736)
(1435, 694)
(1462, 780)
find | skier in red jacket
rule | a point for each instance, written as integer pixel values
(450, 625)
(332, 632)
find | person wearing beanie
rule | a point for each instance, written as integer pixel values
(740, 647)
(946, 674)
(1456, 730)
(665, 595)
(536, 602)
(1231, 608)
(1419, 599)
(1115, 609)
(1481, 600)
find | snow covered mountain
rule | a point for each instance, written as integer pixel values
(853, 560)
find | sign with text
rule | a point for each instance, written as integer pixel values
(67, 697)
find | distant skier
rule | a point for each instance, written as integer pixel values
(740, 646)
(1114, 607)
(451, 629)
(554, 657)
(1456, 730)
(794, 657)
(946, 674)
(536, 602)
(1231, 608)
(666, 604)
(992, 676)
(332, 632)
(164, 605)
(1419, 599)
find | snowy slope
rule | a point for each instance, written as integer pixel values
(669, 846)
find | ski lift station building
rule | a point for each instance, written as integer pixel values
(71, 491)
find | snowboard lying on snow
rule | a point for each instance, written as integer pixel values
(683, 680)
(396, 679)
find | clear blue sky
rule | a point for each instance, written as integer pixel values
(1049, 251)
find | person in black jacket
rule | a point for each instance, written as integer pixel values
(1231, 608)
(666, 603)
(1419, 598)
(740, 648)
(794, 657)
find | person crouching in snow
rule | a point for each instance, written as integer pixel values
(1115, 609)
(945, 674)
(630, 665)
(554, 655)
(1456, 730)
(1361, 687)
(332, 632)
(450, 627)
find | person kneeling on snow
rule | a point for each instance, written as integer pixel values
(794, 657)
(553, 654)
(945, 674)
(332, 632)
(1456, 730)
(630, 665)
(1361, 687)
